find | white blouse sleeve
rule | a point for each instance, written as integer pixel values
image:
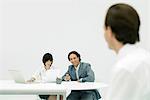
(37, 74)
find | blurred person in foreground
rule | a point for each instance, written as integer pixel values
(130, 76)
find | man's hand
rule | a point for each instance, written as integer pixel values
(67, 77)
(79, 80)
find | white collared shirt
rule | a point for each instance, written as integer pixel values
(41, 74)
(77, 71)
(131, 75)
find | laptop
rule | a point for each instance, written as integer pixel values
(17, 76)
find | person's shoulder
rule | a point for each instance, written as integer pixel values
(41, 68)
(53, 67)
(134, 61)
(85, 64)
(141, 54)
(70, 66)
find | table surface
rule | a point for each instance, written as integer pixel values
(10, 87)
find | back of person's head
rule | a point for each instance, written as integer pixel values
(47, 57)
(124, 22)
(76, 53)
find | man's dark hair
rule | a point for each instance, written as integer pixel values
(47, 57)
(76, 53)
(124, 22)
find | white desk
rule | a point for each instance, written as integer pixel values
(74, 85)
(8, 87)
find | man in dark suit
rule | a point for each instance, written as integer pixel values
(82, 72)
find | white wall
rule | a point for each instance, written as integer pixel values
(30, 28)
(148, 19)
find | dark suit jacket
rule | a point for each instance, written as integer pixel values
(85, 73)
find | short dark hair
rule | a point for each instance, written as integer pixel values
(76, 53)
(47, 57)
(124, 22)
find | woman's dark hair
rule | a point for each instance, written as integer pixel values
(47, 57)
(124, 22)
(76, 53)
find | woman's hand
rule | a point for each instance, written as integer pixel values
(31, 80)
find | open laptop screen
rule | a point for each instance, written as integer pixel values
(17, 76)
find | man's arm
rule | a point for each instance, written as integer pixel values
(90, 77)
(66, 76)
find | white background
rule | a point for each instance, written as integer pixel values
(31, 28)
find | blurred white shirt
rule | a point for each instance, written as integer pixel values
(131, 75)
